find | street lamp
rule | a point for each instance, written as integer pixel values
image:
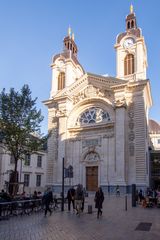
(68, 174)
(62, 206)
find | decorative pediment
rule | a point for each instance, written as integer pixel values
(91, 92)
(90, 86)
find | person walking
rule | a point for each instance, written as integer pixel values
(71, 198)
(99, 198)
(117, 190)
(47, 199)
(140, 196)
(79, 196)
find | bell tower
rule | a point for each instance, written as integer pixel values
(131, 53)
(65, 66)
(69, 43)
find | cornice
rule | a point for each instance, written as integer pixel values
(90, 127)
(48, 101)
(56, 99)
(119, 87)
(109, 80)
(137, 85)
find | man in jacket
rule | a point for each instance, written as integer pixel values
(47, 199)
(71, 198)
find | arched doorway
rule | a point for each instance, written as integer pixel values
(91, 178)
(92, 158)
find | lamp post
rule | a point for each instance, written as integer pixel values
(68, 174)
(62, 206)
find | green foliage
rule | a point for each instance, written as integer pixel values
(19, 122)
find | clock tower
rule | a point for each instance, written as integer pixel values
(131, 51)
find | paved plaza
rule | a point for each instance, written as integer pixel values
(115, 224)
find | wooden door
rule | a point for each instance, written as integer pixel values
(91, 178)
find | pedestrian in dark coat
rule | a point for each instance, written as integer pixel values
(47, 199)
(99, 198)
(71, 198)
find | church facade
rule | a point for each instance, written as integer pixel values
(100, 124)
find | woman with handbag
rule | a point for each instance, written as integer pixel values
(99, 198)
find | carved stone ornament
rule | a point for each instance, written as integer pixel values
(90, 142)
(109, 133)
(100, 93)
(91, 92)
(131, 114)
(131, 136)
(121, 102)
(60, 113)
(131, 149)
(131, 110)
(131, 124)
(92, 156)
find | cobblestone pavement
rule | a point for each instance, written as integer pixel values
(115, 224)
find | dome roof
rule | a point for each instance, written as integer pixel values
(154, 127)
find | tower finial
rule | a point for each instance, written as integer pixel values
(73, 36)
(69, 31)
(131, 8)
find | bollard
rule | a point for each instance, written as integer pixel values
(90, 209)
(133, 195)
(126, 202)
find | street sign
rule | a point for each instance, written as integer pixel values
(70, 169)
(68, 172)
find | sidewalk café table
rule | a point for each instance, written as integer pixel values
(23, 205)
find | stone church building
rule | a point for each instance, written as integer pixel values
(99, 124)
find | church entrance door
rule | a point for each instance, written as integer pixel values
(91, 178)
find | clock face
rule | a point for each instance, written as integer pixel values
(128, 43)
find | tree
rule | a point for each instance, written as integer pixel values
(19, 125)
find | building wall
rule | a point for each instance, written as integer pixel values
(155, 140)
(32, 170)
(121, 144)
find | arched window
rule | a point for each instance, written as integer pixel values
(128, 25)
(93, 115)
(61, 80)
(129, 64)
(132, 24)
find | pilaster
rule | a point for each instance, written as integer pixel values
(52, 148)
(120, 144)
(140, 139)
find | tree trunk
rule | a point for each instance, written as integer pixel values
(13, 182)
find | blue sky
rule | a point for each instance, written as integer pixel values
(32, 31)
